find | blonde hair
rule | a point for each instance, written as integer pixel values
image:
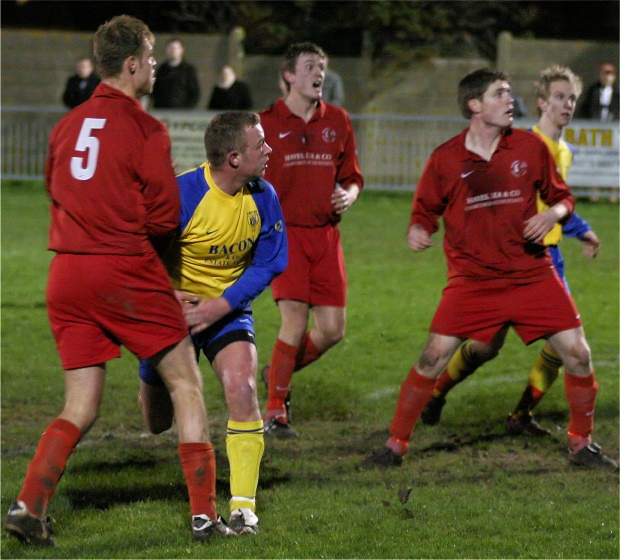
(556, 73)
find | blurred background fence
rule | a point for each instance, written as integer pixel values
(393, 149)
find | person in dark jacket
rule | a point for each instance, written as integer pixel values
(176, 85)
(230, 94)
(81, 85)
(601, 101)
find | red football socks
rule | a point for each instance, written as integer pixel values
(581, 396)
(198, 463)
(415, 392)
(308, 352)
(444, 383)
(280, 373)
(48, 465)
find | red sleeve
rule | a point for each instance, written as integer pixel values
(161, 193)
(49, 165)
(428, 202)
(349, 171)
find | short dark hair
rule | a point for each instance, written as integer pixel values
(474, 85)
(294, 51)
(116, 40)
(226, 132)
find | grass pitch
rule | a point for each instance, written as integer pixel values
(466, 489)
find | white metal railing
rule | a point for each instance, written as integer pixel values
(393, 149)
(25, 131)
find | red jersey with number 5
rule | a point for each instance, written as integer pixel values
(110, 178)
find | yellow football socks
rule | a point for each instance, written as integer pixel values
(244, 446)
(545, 370)
(459, 367)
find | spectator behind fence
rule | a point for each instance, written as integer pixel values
(230, 94)
(333, 88)
(81, 85)
(601, 101)
(176, 86)
(519, 109)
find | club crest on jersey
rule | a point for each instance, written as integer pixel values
(253, 218)
(329, 134)
(518, 168)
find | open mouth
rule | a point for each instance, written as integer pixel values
(317, 84)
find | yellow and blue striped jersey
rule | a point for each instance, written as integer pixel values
(228, 245)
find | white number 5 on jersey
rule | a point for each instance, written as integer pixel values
(86, 141)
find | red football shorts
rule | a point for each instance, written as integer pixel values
(477, 309)
(95, 303)
(315, 273)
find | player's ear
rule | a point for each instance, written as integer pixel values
(288, 77)
(233, 159)
(132, 64)
(474, 105)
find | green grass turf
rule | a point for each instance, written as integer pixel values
(466, 489)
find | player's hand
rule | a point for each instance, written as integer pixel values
(591, 244)
(538, 226)
(418, 238)
(343, 199)
(201, 315)
(186, 299)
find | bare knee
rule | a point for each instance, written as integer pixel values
(573, 350)
(429, 359)
(83, 418)
(241, 398)
(332, 336)
(578, 359)
(436, 354)
(329, 327)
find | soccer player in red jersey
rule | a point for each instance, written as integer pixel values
(315, 171)
(557, 90)
(484, 183)
(114, 198)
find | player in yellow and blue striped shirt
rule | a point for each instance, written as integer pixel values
(231, 244)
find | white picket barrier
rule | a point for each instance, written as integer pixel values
(392, 149)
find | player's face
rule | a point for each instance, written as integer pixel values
(559, 107)
(256, 155)
(497, 105)
(145, 73)
(308, 78)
